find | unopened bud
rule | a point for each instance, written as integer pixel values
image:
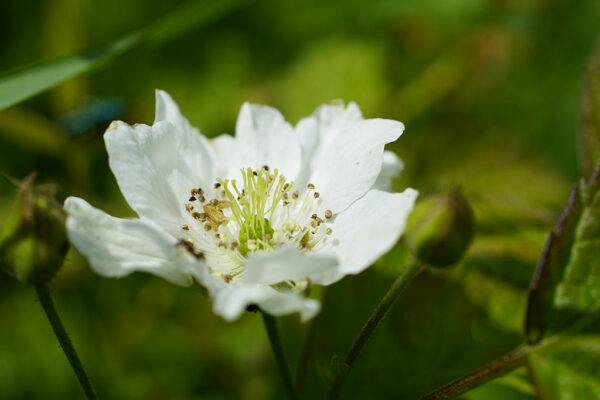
(33, 240)
(439, 230)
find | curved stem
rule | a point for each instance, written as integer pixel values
(273, 334)
(407, 274)
(501, 366)
(63, 339)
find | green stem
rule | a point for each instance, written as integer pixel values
(61, 334)
(407, 274)
(272, 333)
(501, 366)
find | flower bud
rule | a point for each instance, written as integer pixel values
(439, 230)
(33, 240)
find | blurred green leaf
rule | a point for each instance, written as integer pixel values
(566, 287)
(350, 70)
(590, 135)
(515, 385)
(32, 131)
(27, 82)
(568, 368)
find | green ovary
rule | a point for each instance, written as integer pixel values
(251, 208)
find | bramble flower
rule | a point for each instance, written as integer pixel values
(256, 218)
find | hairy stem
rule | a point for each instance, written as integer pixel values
(499, 367)
(65, 343)
(405, 277)
(273, 334)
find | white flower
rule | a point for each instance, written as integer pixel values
(255, 218)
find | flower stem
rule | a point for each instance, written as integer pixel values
(407, 274)
(65, 343)
(273, 334)
(499, 367)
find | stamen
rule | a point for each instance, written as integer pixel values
(262, 213)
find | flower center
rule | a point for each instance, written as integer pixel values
(261, 212)
(252, 208)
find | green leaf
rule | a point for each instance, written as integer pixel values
(565, 291)
(590, 133)
(568, 368)
(26, 82)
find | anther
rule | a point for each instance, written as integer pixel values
(329, 231)
(185, 228)
(317, 195)
(310, 186)
(295, 195)
(189, 207)
(187, 245)
(266, 167)
(328, 214)
(217, 185)
(193, 198)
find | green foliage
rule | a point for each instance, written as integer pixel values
(565, 289)
(590, 133)
(569, 368)
(26, 82)
(562, 315)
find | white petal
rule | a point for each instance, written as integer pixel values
(227, 162)
(289, 263)
(345, 158)
(265, 138)
(146, 159)
(391, 168)
(117, 247)
(232, 301)
(167, 110)
(368, 229)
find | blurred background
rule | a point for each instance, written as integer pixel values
(489, 91)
